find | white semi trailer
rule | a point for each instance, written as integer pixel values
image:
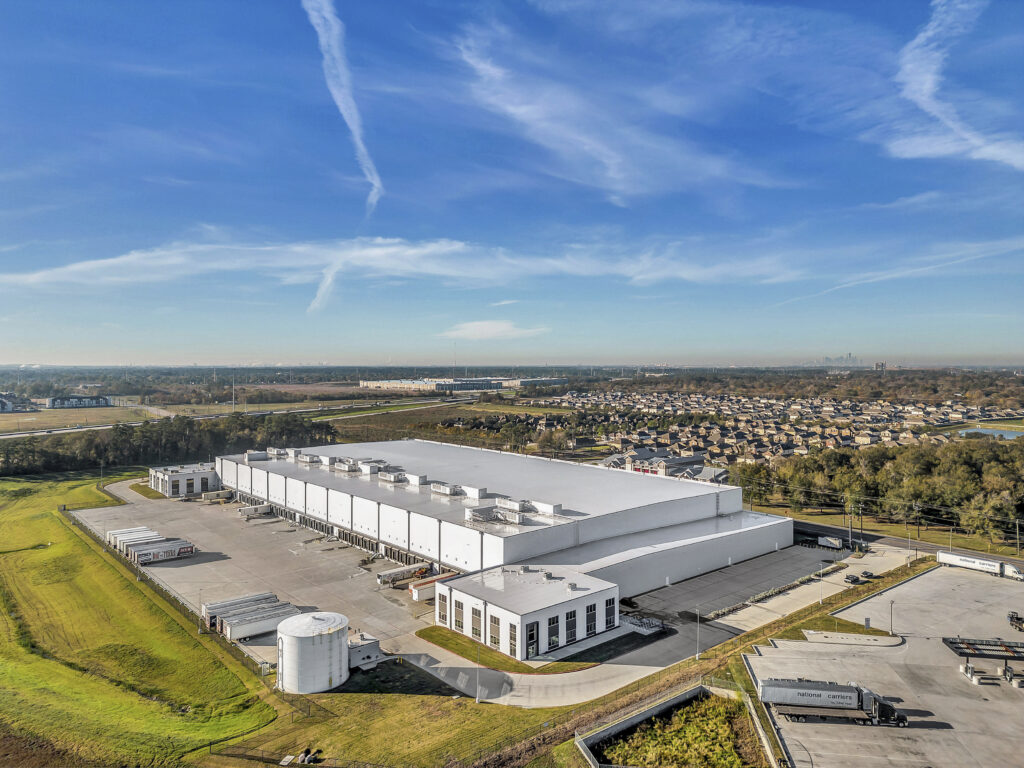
(995, 567)
(799, 699)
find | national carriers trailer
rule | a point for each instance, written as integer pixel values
(995, 567)
(797, 700)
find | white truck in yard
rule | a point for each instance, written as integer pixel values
(797, 700)
(995, 567)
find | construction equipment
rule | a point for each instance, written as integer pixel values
(1016, 620)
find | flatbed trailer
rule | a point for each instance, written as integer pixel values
(800, 714)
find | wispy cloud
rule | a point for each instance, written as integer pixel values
(486, 330)
(920, 76)
(909, 202)
(950, 256)
(331, 35)
(504, 303)
(455, 262)
(597, 134)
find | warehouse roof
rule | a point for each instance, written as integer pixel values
(580, 488)
(536, 588)
(603, 553)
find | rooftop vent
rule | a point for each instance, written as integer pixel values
(445, 489)
(306, 458)
(391, 476)
(515, 505)
(571, 587)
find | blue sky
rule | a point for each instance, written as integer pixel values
(562, 181)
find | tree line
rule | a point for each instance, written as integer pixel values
(167, 441)
(976, 484)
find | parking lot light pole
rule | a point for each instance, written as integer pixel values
(891, 633)
(698, 632)
(821, 579)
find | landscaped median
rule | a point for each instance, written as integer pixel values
(143, 489)
(480, 654)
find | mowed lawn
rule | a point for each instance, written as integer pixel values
(112, 678)
(59, 418)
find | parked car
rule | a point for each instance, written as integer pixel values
(852, 579)
(867, 575)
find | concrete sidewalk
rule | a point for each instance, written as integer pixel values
(522, 690)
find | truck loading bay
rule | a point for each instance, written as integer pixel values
(952, 722)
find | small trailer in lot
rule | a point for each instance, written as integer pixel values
(799, 699)
(259, 622)
(995, 567)
(831, 542)
(389, 578)
(160, 551)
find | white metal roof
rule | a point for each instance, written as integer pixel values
(312, 624)
(509, 588)
(581, 489)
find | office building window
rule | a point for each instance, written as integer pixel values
(204, 484)
(442, 609)
(190, 485)
(494, 632)
(591, 619)
(174, 487)
(476, 623)
(513, 632)
(458, 615)
(552, 633)
(570, 627)
(609, 613)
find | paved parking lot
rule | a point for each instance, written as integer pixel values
(238, 558)
(952, 722)
(677, 604)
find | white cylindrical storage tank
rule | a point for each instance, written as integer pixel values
(312, 652)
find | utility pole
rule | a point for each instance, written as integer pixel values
(861, 523)
(1017, 524)
(698, 631)
(891, 633)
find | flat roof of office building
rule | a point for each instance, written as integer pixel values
(539, 587)
(581, 489)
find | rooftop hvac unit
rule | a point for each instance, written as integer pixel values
(547, 509)
(416, 479)
(510, 516)
(328, 461)
(524, 569)
(276, 452)
(293, 453)
(307, 458)
(571, 586)
(548, 576)
(371, 466)
(446, 489)
(256, 456)
(391, 477)
(474, 492)
(514, 505)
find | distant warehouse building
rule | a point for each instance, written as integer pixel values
(548, 547)
(184, 479)
(78, 401)
(458, 384)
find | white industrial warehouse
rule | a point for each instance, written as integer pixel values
(547, 547)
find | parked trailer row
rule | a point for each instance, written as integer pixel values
(248, 625)
(210, 611)
(995, 567)
(799, 699)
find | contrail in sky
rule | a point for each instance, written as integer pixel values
(331, 34)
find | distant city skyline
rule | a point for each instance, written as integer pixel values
(560, 181)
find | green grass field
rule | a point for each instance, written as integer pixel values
(143, 489)
(60, 418)
(212, 408)
(512, 408)
(470, 649)
(89, 662)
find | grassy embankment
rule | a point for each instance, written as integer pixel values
(143, 489)
(61, 418)
(352, 413)
(929, 534)
(91, 662)
(471, 650)
(532, 410)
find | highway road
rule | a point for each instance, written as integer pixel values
(804, 526)
(85, 428)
